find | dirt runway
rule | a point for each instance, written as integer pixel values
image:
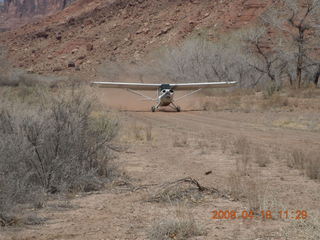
(185, 144)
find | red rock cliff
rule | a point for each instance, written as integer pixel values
(18, 12)
(20, 8)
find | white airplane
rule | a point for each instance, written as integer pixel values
(165, 92)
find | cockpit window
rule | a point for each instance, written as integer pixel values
(165, 86)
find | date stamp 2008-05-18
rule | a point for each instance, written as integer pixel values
(265, 214)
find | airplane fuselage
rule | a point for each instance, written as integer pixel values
(165, 97)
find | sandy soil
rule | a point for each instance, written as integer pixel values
(186, 144)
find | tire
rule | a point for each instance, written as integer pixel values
(153, 109)
(178, 109)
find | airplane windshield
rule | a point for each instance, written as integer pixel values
(165, 86)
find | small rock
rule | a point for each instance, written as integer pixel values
(30, 70)
(88, 22)
(82, 57)
(74, 51)
(42, 35)
(58, 36)
(71, 64)
(57, 69)
(71, 21)
(89, 47)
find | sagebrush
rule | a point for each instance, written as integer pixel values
(55, 145)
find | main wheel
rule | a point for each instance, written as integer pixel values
(153, 108)
(178, 109)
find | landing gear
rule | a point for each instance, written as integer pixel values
(155, 108)
(172, 105)
(177, 108)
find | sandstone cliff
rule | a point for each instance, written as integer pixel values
(17, 12)
(19, 8)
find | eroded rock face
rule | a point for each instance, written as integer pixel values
(14, 13)
(23, 8)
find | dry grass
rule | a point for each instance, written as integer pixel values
(297, 160)
(242, 100)
(312, 166)
(253, 191)
(234, 183)
(307, 162)
(243, 164)
(260, 197)
(308, 229)
(242, 147)
(180, 227)
(180, 141)
(148, 132)
(141, 132)
(261, 157)
(224, 144)
(137, 132)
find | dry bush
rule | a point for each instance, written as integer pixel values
(312, 166)
(141, 132)
(181, 141)
(275, 101)
(259, 197)
(137, 131)
(253, 191)
(241, 145)
(308, 229)
(181, 227)
(308, 162)
(243, 164)
(235, 187)
(261, 156)
(53, 146)
(148, 132)
(297, 160)
(197, 59)
(224, 144)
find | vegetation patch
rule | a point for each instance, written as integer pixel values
(176, 228)
(52, 146)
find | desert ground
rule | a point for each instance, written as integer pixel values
(218, 149)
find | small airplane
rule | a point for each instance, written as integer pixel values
(165, 92)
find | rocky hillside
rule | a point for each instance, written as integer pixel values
(88, 32)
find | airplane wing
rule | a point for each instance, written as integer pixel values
(154, 86)
(195, 86)
(133, 86)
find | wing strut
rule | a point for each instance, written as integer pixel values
(188, 94)
(141, 95)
